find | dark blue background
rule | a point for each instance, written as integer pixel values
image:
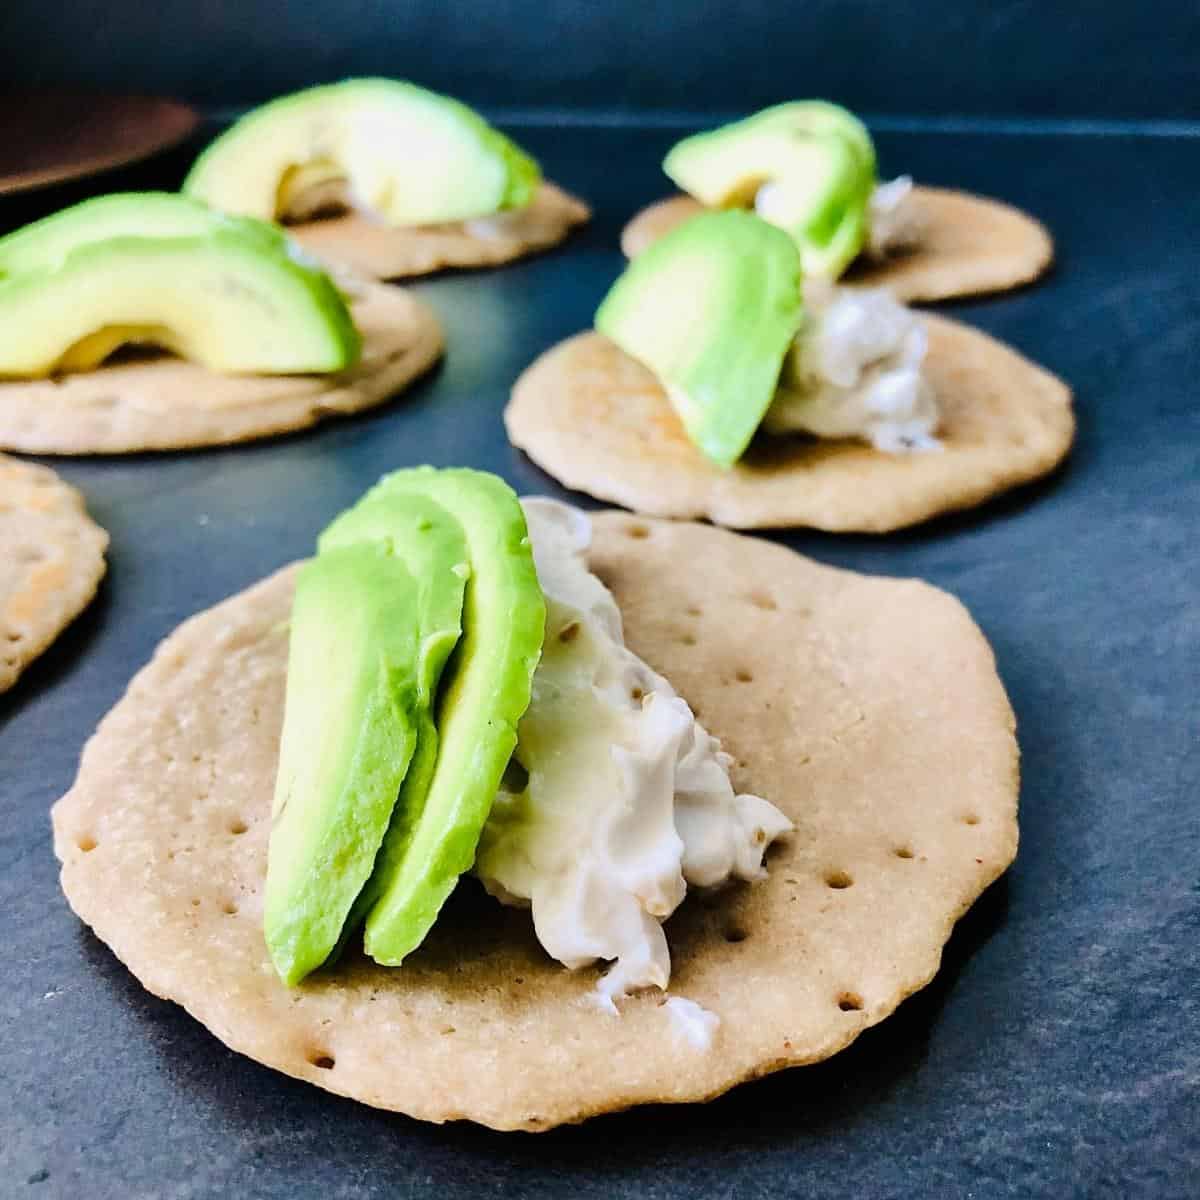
(1111, 59)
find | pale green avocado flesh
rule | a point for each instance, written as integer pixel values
(224, 299)
(711, 308)
(432, 545)
(407, 155)
(349, 732)
(484, 692)
(436, 566)
(817, 162)
(821, 117)
(42, 245)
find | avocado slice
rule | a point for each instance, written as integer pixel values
(821, 117)
(409, 156)
(808, 167)
(432, 545)
(224, 300)
(43, 245)
(484, 693)
(711, 309)
(349, 732)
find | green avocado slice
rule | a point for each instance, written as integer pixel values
(408, 155)
(821, 117)
(226, 301)
(484, 692)
(43, 245)
(711, 309)
(349, 732)
(432, 545)
(809, 165)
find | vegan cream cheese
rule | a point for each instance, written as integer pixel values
(617, 798)
(854, 371)
(692, 1022)
(894, 221)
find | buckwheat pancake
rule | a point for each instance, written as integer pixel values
(167, 403)
(868, 709)
(969, 245)
(51, 562)
(398, 252)
(600, 422)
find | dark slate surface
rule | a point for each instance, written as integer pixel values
(1057, 1053)
(1085, 58)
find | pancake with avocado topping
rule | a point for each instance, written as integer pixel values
(721, 384)
(819, 685)
(385, 178)
(235, 333)
(810, 167)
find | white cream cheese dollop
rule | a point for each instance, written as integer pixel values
(895, 222)
(854, 371)
(623, 798)
(692, 1022)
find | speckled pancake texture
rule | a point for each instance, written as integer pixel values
(390, 252)
(970, 245)
(51, 562)
(166, 403)
(599, 422)
(868, 709)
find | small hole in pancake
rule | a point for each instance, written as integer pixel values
(838, 880)
(237, 826)
(971, 819)
(638, 532)
(688, 639)
(744, 676)
(86, 843)
(764, 601)
(850, 1002)
(14, 635)
(229, 908)
(904, 852)
(325, 1062)
(446, 1030)
(693, 610)
(735, 934)
(195, 901)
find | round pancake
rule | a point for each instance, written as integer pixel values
(970, 245)
(599, 422)
(385, 252)
(51, 562)
(868, 709)
(166, 403)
